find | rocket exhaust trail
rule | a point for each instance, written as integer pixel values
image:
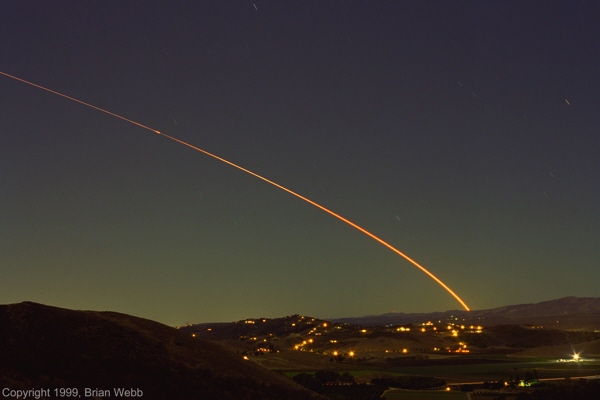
(328, 211)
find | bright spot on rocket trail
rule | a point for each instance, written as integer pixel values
(352, 224)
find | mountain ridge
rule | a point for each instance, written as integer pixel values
(575, 312)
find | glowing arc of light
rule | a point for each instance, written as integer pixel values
(352, 224)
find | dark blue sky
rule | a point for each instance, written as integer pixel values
(465, 133)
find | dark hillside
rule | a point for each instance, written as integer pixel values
(42, 346)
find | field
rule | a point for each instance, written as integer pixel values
(494, 371)
(492, 368)
(473, 371)
(423, 395)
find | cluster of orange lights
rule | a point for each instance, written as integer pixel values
(300, 346)
(462, 348)
(454, 329)
(351, 353)
(460, 351)
(314, 331)
(403, 351)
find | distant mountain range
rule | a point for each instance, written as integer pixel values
(565, 313)
(50, 347)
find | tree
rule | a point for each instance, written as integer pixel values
(347, 378)
(306, 380)
(528, 378)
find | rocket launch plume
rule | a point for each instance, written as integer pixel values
(352, 224)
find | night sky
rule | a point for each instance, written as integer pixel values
(465, 133)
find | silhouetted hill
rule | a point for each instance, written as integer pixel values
(565, 313)
(42, 346)
(251, 327)
(260, 337)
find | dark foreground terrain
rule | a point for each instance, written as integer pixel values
(43, 347)
(49, 347)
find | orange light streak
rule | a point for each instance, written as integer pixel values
(328, 211)
(80, 102)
